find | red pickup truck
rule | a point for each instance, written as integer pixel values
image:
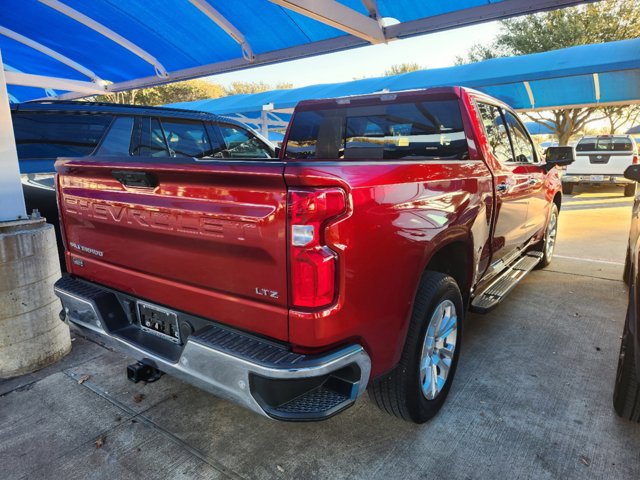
(292, 284)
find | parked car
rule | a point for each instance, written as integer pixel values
(290, 285)
(601, 160)
(45, 130)
(626, 394)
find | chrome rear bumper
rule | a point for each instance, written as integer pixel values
(258, 374)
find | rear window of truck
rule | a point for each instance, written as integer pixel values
(429, 130)
(610, 144)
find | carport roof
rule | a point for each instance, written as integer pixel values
(606, 73)
(120, 45)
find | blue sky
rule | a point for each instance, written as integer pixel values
(430, 51)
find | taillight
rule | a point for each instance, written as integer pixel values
(635, 159)
(313, 263)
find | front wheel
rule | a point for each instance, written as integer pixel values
(548, 243)
(417, 387)
(630, 190)
(626, 393)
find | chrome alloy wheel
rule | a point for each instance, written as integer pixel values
(438, 349)
(550, 235)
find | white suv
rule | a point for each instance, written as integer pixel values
(602, 160)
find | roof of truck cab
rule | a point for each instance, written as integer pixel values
(414, 93)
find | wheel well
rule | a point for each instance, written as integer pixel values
(453, 260)
(557, 200)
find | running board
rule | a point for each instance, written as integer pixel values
(500, 288)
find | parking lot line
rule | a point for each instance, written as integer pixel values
(589, 260)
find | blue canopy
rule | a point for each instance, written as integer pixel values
(113, 45)
(536, 128)
(605, 73)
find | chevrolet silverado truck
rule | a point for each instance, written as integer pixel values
(292, 285)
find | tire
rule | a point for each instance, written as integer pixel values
(626, 393)
(627, 269)
(548, 243)
(630, 190)
(400, 392)
(567, 188)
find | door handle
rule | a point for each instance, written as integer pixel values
(131, 178)
(502, 187)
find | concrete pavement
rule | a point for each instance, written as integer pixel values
(531, 398)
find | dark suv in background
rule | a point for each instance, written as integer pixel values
(47, 130)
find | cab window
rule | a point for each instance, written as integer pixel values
(187, 139)
(148, 139)
(522, 147)
(496, 132)
(241, 143)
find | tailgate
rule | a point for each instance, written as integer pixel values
(608, 163)
(207, 238)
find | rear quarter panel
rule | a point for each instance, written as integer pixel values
(400, 213)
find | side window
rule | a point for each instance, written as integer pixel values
(52, 135)
(496, 132)
(187, 139)
(148, 139)
(116, 141)
(522, 146)
(241, 143)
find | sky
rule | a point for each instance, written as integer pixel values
(429, 51)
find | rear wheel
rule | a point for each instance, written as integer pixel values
(416, 389)
(630, 190)
(567, 188)
(626, 393)
(548, 243)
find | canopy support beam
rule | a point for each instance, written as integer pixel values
(372, 8)
(107, 32)
(41, 81)
(596, 87)
(50, 53)
(532, 99)
(338, 16)
(215, 16)
(11, 196)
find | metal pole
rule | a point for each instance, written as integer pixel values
(12, 205)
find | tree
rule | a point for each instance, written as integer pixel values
(620, 115)
(254, 87)
(604, 21)
(187, 91)
(401, 68)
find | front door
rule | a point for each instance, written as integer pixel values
(511, 184)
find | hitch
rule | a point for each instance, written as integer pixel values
(139, 372)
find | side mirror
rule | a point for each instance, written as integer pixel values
(632, 173)
(276, 153)
(559, 156)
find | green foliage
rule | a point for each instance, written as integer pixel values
(401, 68)
(254, 87)
(187, 91)
(599, 22)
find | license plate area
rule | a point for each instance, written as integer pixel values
(596, 178)
(159, 321)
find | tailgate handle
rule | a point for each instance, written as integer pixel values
(136, 179)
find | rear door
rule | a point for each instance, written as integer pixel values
(202, 235)
(525, 156)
